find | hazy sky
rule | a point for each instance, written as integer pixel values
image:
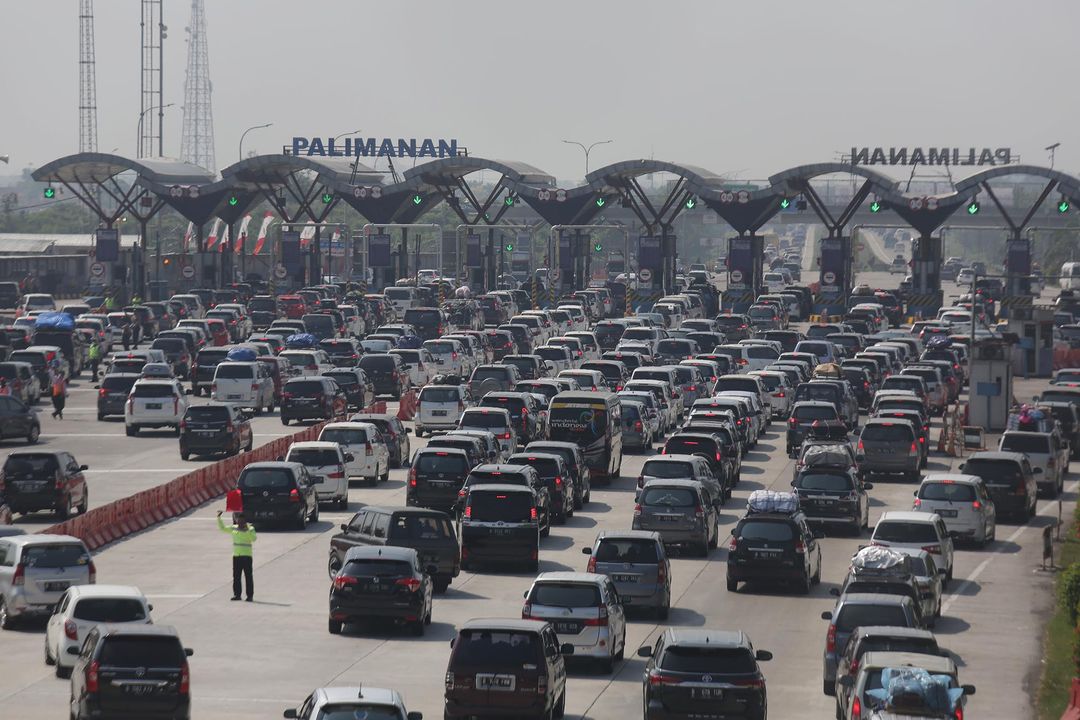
(749, 87)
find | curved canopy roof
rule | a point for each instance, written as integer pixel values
(972, 182)
(879, 183)
(617, 173)
(456, 167)
(98, 167)
(270, 169)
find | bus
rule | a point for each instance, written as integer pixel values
(593, 421)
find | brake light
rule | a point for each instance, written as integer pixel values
(176, 405)
(505, 435)
(830, 638)
(92, 677)
(533, 515)
(718, 457)
(800, 547)
(71, 630)
(859, 447)
(976, 505)
(19, 578)
(791, 421)
(781, 394)
(412, 477)
(369, 450)
(856, 708)
(337, 475)
(411, 583)
(637, 510)
(656, 677)
(294, 495)
(699, 512)
(558, 482)
(341, 581)
(600, 621)
(638, 427)
(468, 511)
(917, 503)
(932, 549)
(914, 448)
(101, 392)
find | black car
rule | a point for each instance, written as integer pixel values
(387, 373)
(278, 492)
(113, 393)
(522, 338)
(833, 496)
(773, 546)
(555, 474)
(359, 391)
(697, 672)
(500, 525)
(382, 583)
(1068, 417)
(524, 412)
(213, 429)
(473, 447)
(131, 671)
(308, 398)
(430, 532)
(710, 447)
(574, 457)
(392, 429)
(343, 352)
(45, 480)
(820, 416)
(505, 474)
(436, 475)
(734, 328)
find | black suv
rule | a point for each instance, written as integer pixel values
(17, 420)
(278, 491)
(822, 416)
(429, 532)
(574, 457)
(113, 392)
(505, 474)
(500, 525)
(213, 429)
(710, 447)
(387, 373)
(697, 672)
(308, 398)
(131, 671)
(833, 496)
(343, 352)
(524, 412)
(555, 474)
(773, 546)
(202, 370)
(355, 384)
(382, 583)
(436, 475)
(42, 480)
(473, 447)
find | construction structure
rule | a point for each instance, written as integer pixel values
(151, 80)
(87, 79)
(197, 140)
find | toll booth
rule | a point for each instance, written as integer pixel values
(1033, 355)
(744, 281)
(991, 384)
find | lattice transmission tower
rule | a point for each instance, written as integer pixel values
(197, 141)
(151, 77)
(87, 79)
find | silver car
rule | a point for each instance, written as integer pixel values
(680, 511)
(636, 561)
(963, 503)
(36, 570)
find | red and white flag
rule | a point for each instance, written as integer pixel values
(224, 244)
(307, 235)
(263, 229)
(241, 236)
(187, 236)
(211, 239)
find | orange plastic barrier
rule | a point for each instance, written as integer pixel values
(1072, 712)
(407, 406)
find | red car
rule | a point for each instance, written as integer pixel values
(293, 305)
(219, 332)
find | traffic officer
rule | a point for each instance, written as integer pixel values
(243, 537)
(94, 355)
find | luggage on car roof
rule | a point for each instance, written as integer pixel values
(770, 501)
(54, 321)
(876, 559)
(820, 456)
(242, 355)
(300, 341)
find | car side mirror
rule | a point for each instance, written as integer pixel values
(645, 651)
(415, 716)
(188, 652)
(97, 387)
(835, 592)
(84, 467)
(290, 713)
(868, 486)
(408, 431)
(763, 655)
(187, 391)
(1036, 471)
(73, 651)
(280, 458)
(915, 493)
(586, 551)
(826, 615)
(432, 570)
(344, 527)
(942, 571)
(968, 689)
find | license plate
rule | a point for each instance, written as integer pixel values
(500, 531)
(486, 681)
(947, 513)
(58, 586)
(708, 693)
(31, 486)
(825, 502)
(265, 514)
(153, 406)
(567, 628)
(625, 578)
(234, 397)
(318, 479)
(204, 432)
(441, 483)
(438, 413)
(668, 518)
(140, 690)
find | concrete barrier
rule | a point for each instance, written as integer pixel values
(1072, 712)
(129, 515)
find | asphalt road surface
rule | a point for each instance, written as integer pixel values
(253, 660)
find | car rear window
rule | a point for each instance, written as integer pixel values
(483, 420)
(304, 387)
(905, 532)
(1026, 443)
(378, 362)
(887, 432)
(708, 660)
(496, 648)
(313, 457)
(440, 394)
(855, 615)
(265, 479)
(235, 371)
(565, 595)
(343, 378)
(420, 527)
(481, 374)
(950, 492)
(760, 352)
(207, 413)
(814, 412)
(440, 462)
(827, 482)
(423, 318)
(926, 646)
(772, 531)
(490, 506)
(152, 391)
(169, 344)
(345, 436)
(690, 446)
(669, 497)
(995, 472)
(110, 610)
(55, 555)
(128, 652)
(627, 551)
(117, 384)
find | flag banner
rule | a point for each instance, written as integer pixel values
(188, 235)
(307, 235)
(211, 239)
(261, 239)
(241, 236)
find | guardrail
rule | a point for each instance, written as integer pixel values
(132, 514)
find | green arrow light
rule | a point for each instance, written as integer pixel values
(508, 201)
(875, 207)
(785, 204)
(509, 247)
(326, 198)
(598, 247)
(49, 193)
(690, 203)
(1063, 206)
(600, 202)
(416, 199)
(233, 200)
(973, 207)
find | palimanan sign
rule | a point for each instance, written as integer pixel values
(372, 147)
(930, 156)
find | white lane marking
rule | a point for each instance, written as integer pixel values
(164, 596)
(143, 470)
(986, 563)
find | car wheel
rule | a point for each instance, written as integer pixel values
(560, 707)
(184, 454)
(664, 610)
(441, 585)
(270, 407)
(315, 512)
(334, 626)
(33, 435)
(62, 672)
(100, 416)
(48, 655)
(6, 621)
(385, 477)
(805, 584)
(258, 410)
(333, 566)
(301, 521)
(418, 432)
(607, 665)
(85, 502)
(732, 585)
(828, 688)
(284, 420)
(63, 511)
(418, 628)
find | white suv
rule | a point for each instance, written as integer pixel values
(155, 403)
(82, 608)
(915, 530)
(325, 463)
(246, 384)
(963, 503)
(370, 456)
(439, 407)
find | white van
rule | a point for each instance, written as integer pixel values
(370, 456)
(325, 463)
(439, 407)
(246, 384)
(402, 298)
(1070, 276)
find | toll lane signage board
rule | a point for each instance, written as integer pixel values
(379, 251)
(649, 254)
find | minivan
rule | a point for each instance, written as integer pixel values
(1009, 478)
(326, 466)
(638, 564)
(436, 475)
(36, 570)
(1046, 452)
(500, 525)
(681, 512)
(246, 384)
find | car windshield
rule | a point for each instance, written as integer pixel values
(110, 610)
(1030, 444)
(577, 423)
(57, 555)
(669, 497)
(947, 491)
(905, 532)
(135, 652)
(566, 595)
(514, 507)
(492, 420)
(827, 482)
(314, 457)
(719, 661)
(434, 393)
(627, 551)
(441, 462)
(265, 479)
(853, 615)
(496, 648)
(420, 527)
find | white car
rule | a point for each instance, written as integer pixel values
(370, 456)
(578, 321)
(965, 276)
(308, 363)
(353, 702)
(779, 389)
(560, 356)
(586, 602)
(22, 381)
(591, 380)
(493, 420)
(589, 343)
(1048, 454)
(439, 406)
(420, 363)
(325, 462)
(449, 356)
(81, 608)
(908, 529)
(155, 403)
(245, 384)
(962, 501)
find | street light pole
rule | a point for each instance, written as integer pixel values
(244, 134)
(138, 142)
(587, 149)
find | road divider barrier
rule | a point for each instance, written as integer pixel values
(407, 406)
(147, 508)
(1072, 712)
